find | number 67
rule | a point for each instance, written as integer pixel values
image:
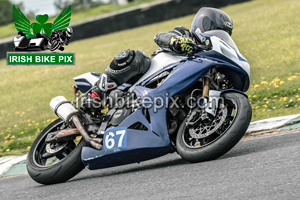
(110, 139)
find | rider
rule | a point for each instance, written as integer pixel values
(206, 19)
(129, 65)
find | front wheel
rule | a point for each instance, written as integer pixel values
(206, 138)
(50, 163)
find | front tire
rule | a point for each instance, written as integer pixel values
(223, 139)
(59, 168)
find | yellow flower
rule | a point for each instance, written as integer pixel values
(264, 106)
(292, 78)
(254, 96)
(22, 133)
(17, 113)
(262, 78)
(298, 99)
(281, 82)
(28, 120)
(256, 86)
(266, 98)
(264, 110)
(267, 102)
(257, 107)
(7, 150)
(28, 147)
(5, 141)
(37, 124)
(285, 99)
(297, 96)
(13, 137)
(1, 133)
(275, 96)
(264, 83)
(33, 121)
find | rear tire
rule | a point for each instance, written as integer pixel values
(59, 172)
(223, 143)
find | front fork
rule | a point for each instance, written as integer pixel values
(206, 86)
(212, 97)
(211, 102)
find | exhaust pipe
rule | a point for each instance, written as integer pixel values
(66, 111)
(95, 142)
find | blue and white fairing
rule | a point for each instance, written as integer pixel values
(123, 145)
(224, 50)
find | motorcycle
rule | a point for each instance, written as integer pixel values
(194, 105)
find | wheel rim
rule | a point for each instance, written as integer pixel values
(205, 134)
(44, 160)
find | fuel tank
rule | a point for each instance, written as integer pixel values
(157, 63)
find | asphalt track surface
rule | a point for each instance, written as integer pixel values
(265, 167)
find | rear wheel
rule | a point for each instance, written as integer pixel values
(49, 163)
(206, 138)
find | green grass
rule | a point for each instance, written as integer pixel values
(10, 30)
(266, 32)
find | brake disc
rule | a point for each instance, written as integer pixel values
(204, 130)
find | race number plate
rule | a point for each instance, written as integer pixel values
(115, 138)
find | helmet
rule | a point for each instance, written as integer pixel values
(208, 19)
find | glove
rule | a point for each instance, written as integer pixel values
(178, 44)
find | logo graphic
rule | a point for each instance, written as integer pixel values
(39, 36)
(42, 35)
